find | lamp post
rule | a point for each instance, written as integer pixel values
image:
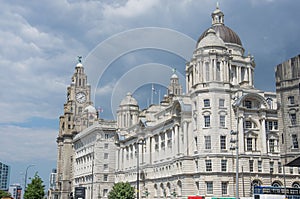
(236, 148)
(25, 183)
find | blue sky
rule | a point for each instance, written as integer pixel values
(40, 42)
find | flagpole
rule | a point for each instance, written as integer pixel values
(152, 89)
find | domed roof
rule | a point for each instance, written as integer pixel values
(174, 76)
(129, 100)
(224, 32)
(90, 109)
(211, 39)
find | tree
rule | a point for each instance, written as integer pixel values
(35, 189)
(4, 194)
(121, 190)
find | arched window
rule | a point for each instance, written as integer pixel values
(276, 184)
(155, 190)
(296, 185)
(179, 188)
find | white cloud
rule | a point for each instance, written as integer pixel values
(23, 144)
(133, 8)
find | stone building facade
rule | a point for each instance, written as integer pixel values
(288, 95)
(80, 131)
(186, 145)
(94, 159)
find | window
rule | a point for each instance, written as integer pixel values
(271, 167)
(105, 167)
(295, 141)
(248, 104)
(207, 121)
(248, 124)
(218, 72)
(272, 145)
(259, 166)
(223, 142)
(224, 186)
(207, 140)
(223, 165)
(270, 125)
(105, 155)
(222, 120)
(106, 145)
(106, 136)
(221, 103)
(105, 192)
(251, 165)
(207, 71)
(291, 99)
(105, 177)
(279, 167)
(293, 119)
(275, 125)
(249, 144)
(291, 170)
(209, 188)
(208, 165)
(206, 102)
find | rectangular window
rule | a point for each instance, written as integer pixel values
(272, 145)
(248, 104)
(105, 167)
(105, 155)
(275, 125)
(106, 136)
(295, 141)
(279, 167)
(293, 119)
(291, 99)
(223, 165)
(209, 188)
(208, 165)
(207, 121)
(105, 177)
(222, 120)
(207, 140)
(291, 170)
(224, 186)
(207, 71)
(270, 125)
(249, 144)
(223, 142)
(106, 145)
(206, 102)
(105, 192)
(248, 124)
(259, 166)
(271, 167)
(251, 165)
(218, 71)
(221, 103)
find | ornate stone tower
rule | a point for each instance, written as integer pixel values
(70, 123)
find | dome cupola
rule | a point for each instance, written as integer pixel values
(225, 33)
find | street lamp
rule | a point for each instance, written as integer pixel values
(25, 184)
(236, 148)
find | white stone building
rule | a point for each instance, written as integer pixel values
(182, 146)
(94, 159)
(288, 95)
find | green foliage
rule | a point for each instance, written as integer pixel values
(35, 189)
(121, 190)
(4, 194)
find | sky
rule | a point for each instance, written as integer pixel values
(127, 46)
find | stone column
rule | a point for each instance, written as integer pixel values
(185, 138)
(263, 134)
(241, 134)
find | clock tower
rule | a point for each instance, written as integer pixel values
(70, 123)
